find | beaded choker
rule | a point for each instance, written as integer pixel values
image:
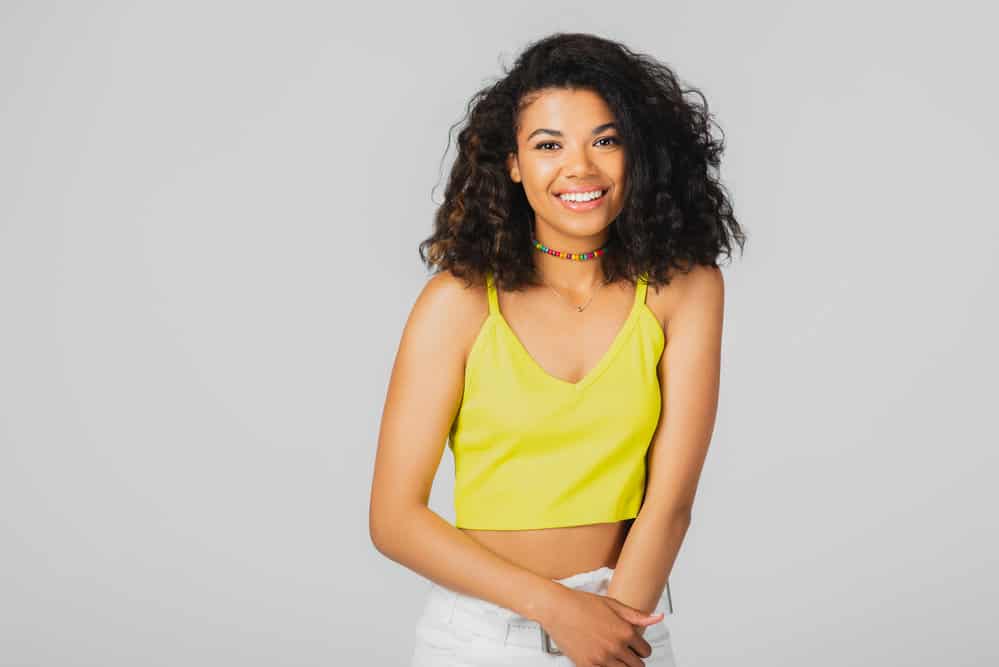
(580, 256)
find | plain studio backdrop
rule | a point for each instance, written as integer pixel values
(208, 249)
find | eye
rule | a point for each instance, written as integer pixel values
(540, 146)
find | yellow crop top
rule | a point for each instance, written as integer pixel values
(534, 451)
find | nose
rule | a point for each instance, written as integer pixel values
(579, 163)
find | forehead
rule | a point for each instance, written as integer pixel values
(566, 110)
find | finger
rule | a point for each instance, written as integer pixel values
(629, 658)
(651, 619)
(633, 615)
(640, 645)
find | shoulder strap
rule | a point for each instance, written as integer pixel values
(641, 287)
(491, 290)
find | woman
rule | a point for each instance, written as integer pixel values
(578, 403)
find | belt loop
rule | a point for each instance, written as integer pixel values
(454, 603)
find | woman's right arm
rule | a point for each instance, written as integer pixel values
(423, 396)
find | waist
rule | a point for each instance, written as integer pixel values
(557, 552)
(592, 581)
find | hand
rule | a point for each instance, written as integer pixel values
(597, 630)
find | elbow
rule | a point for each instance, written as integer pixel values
(376, 535)
(673, 515)
(675, 521)
(681, 514)
(378, 525)
(379, 531)
(385, 527)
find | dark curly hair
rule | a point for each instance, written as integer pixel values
(676, 215)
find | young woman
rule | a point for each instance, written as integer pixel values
(578, 402)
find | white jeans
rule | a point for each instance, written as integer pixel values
(450, 632)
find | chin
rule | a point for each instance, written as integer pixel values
(582, 227)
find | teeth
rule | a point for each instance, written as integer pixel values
(582, 196)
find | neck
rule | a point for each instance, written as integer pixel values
(566, 273)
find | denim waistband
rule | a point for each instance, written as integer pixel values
(592, 581)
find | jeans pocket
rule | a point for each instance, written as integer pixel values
(436, 634)
(440, 643)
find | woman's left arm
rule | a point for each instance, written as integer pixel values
(688, 375)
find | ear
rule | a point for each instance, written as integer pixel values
(513, 166)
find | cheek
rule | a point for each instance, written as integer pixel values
(539, 198)
(618, 201)
(536, 184)
(620, 187)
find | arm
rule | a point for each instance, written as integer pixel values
(423, 397)
(689, 376)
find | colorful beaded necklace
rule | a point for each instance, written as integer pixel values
(580, 256)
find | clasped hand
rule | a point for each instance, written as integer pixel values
(597, 630)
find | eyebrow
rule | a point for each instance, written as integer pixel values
(597, 130)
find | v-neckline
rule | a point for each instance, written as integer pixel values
(597, 369)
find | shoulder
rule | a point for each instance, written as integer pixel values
(700, 282)
(702, 286)
(450, 309)
(445, 294)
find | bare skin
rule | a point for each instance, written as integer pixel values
(557, 552)
(516, 568)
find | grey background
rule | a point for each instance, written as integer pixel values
(208, 236)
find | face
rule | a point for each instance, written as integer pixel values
(566, 142)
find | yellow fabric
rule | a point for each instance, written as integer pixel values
(535, 451)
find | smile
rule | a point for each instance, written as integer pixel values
(582, 201)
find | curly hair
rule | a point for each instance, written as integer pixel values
(677, 213)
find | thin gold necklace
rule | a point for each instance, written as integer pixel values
(583, 306)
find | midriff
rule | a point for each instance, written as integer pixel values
(557, 553)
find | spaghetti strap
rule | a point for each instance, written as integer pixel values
(641, 287)
(491, 290)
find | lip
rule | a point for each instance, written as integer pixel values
(583, 205)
